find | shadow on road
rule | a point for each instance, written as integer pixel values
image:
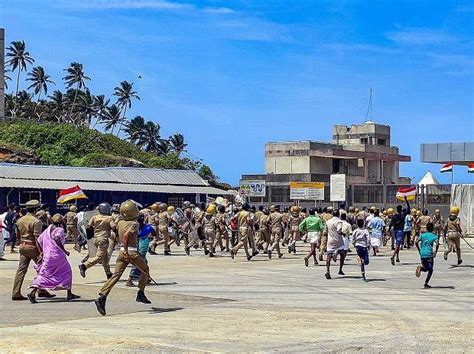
(461, 266)
(375, 279)
(155, 310)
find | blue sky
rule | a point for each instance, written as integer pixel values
(232, 75)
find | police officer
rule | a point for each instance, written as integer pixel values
(209, 224)
(103, 224)
(222, 233)
(44, 216)
(113, 240)
(453, 233)
(71, 225)
(438, 223)
(423, 221)
(276, 228)
(127, 229)
(29, 228)
(245, 223)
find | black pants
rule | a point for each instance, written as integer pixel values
(406, 241)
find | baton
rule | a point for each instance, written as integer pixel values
(462, 236)
(147, 273)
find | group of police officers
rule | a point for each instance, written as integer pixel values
(212, 227)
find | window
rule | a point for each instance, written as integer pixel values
(381, 142)
(175, 201)
(364, 140)
(280, 194)
(29, 195)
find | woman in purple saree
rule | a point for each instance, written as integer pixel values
(54, 270)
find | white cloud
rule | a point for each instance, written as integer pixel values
(420, 36)
(143, 4)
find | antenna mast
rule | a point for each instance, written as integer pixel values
(368, 115)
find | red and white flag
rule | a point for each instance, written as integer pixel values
(65, 195)
(447, 168)
(409, 192)
(470, 168)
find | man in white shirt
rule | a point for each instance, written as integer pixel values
(2, 235)
(335, 243)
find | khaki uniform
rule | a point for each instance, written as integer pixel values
(102, 225)
(134, 258)
(44, 217)
(221, 231)
(453, 236)
(264, 231)
(243, 218)
(422, 222)
(71, 226)
(29, 229)
(163, 220)
(113, 240)
(438, 224)
(276, 229)
(324, 235)
(209, 224)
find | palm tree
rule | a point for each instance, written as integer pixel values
(100, 108)
(163, 147)
(125, 94)
(75, 77)
(135, 129)
(19, 59)
(6, 78)
(86, 107)
(40, 81)
(150, 139)
(57, 104)
(177, 143)
(112, 117)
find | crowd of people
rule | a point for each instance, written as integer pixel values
(137, 231)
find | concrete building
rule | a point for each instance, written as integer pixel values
(362, 152)
(2, 73)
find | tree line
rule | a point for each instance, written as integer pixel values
(76, 104)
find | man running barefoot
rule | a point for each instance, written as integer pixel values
(398, 224)
(313, 225)
(427, 239)
(335, 243)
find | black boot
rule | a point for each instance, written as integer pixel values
(82, 270)
(100, 304)
(108, 275)
(142, 298)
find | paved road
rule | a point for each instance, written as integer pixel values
(204, 304)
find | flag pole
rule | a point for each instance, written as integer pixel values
(452, 175)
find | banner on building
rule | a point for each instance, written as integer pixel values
(254, 188)
(307, 190)
(338, 188)
(409, 192)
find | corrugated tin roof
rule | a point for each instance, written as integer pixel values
(108, 174)
(105, 186)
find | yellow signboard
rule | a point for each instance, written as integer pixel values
(315, 185)
(307, 190)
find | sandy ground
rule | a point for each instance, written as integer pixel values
(217, 305)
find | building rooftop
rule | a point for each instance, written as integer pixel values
(107, 178)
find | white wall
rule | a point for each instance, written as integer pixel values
(287, 164)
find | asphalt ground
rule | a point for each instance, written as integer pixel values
(224, 305)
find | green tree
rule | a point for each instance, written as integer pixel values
(7, 78)
(112, 118)
(19, 58)
(57, 103)
(150, 139)
(75, 76)
(39, 81)
(177, 143)
(100, 108)
(206, 173)
(85, 107)
(125, 94)
(135, 129)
